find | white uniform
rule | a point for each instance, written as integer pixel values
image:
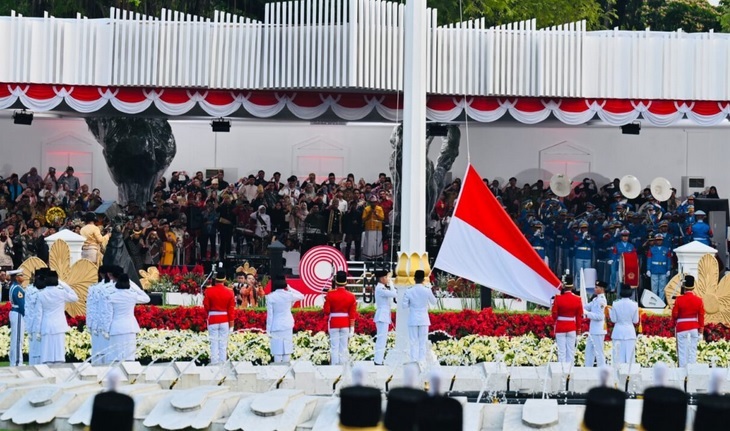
(123, 327)
(624, 314)
(53, 325)
(280, 322)
(98, 311)
(417, 299)
(17, 324)
(33, 314)
(595, 312)
(383, 305)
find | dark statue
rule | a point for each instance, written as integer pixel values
(435, 175)
(117, 254)
(137, 151)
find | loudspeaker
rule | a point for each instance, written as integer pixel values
(631, 129)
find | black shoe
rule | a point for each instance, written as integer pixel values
(378, 364)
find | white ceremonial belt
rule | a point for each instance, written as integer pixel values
(339, 315)
(217, 313)
(565, 318)
(688, 319)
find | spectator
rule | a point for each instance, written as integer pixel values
(69, 180)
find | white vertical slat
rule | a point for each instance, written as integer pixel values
(388, 45)
(294, 44)
(308, 44)
(265, 33)
(300, 53)
(255, 62)
(352, 53)
(319, 53)
(287, 43)
(328, 51)
(338, 26)
(277, 65)
(225, 53)
(365, 24)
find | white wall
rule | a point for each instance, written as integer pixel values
(497, 151)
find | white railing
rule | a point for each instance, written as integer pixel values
(358, 44)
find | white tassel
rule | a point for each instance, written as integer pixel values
(660, 374)
(434, 388)
(717, 376)
(604, 374)
(410, 374)
(113, 379)
(358, 376)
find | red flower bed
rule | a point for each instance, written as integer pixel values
(456, 323)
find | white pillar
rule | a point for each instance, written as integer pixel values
(413, 177)
(689, 255)
(73, 240)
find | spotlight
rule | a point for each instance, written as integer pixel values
(437, 129)
(23, 117)
(221, 125)
(631, 128)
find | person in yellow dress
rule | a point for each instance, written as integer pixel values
(169, 243)
(95, 242)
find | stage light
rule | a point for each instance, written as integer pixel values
(221, 125)
(631, 128)
(23, 117)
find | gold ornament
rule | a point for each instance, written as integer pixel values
(54, 215)
(715, 294)
(147, 278)
(79, 276)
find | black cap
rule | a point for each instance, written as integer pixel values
(601, 283)
(440, 413)
(419, 275)
(341, 278)
(39, 278)
(51, 278)
(279, 282)
(400, 415)
(360, 406)
(112, 411)
(665, 409)
(605, 409)
(689, 281)
(116, 270)
(380, 273)
(122, 282)
(626, 290)
(712, 412)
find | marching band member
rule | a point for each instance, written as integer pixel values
(699, 230)
(596, 312)
(122, 332)
(659, 264)
(620, 247)
(340, 308)
(382, 317)
(279, 319)
(624, 314)
(688, 316)
(16, 317)
(417, 299)
(53, 326)
(220, 305)
(568, 313)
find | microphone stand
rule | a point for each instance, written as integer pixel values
(210, 275)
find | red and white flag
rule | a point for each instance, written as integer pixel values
(483, 245)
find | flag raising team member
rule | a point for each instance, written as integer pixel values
(340, 308)
(568, 314)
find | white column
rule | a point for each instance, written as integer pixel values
(689, 255)
(73, 240)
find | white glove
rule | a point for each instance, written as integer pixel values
(668, 272)
(648, 273)
(38, 337)
(610, 262)
(106, 335)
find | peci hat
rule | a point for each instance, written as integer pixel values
(419, 275)
(402, 409)
(605, 409)
(380, 273)
(112, 411)
(279, 282)
(626, 291)
(341, 278)
(664, 409)
(440, 413)
(712, 412)
(602, 284)
(360, 407)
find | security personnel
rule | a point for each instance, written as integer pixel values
(699, 230)
(688, 316)
(659, 265)
(568, 313)
(624, 314)
(595, 311)
(417, 299)
(383, 304)
(340, 308)
(17, 317)
(583, 245)
(220, 305)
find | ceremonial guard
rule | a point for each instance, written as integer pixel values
(659, 265)
(16, 317)
(624, 314)
(384, 296)
(279, 319)
(123, 328)
(340, 308)
(53, 326)
(98, 310)
(220, 305)
(418, 299)
(595, 311)
(688, 316)
(568, 313)
(699, 230)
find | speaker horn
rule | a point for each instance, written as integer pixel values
(630, 186)
(560, 185)
(661, 189)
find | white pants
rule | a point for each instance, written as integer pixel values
(218, 335)
(594, 350)
(566, 346)
(34, 350)
(623, 351)
(338, 345)
(687, 347)
(100, 349)
(418, 336)
(17, 334)
(380, 340)
(282, 345)
(122, 347)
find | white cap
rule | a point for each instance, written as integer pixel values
(14, 271)
(700, 213)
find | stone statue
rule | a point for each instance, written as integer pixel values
(117, 254)
(435, 175)
(137, 151)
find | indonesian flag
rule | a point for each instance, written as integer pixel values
(482, 244)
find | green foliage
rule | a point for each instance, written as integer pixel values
(689, 15)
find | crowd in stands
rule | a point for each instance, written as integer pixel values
(194, 218)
